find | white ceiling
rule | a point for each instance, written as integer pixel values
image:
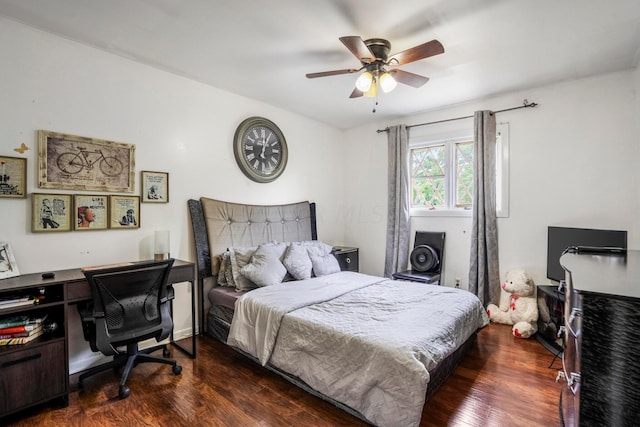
(263, 49)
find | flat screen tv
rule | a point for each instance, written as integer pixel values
(560, 238)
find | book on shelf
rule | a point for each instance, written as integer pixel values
(17, 302)
(21, 331)
(21, 340)
(21, 320)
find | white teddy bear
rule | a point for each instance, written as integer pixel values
(518, 304)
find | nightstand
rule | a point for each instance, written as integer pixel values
(347, 258)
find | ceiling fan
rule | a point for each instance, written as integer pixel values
(373, 54)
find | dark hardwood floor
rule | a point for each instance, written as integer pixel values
(504, 381)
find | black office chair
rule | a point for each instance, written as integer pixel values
(130, 304)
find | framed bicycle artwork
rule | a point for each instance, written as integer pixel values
(72, 162)
(51, 212)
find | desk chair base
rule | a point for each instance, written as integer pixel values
(132, 357)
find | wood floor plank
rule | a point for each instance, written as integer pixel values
(504, 381)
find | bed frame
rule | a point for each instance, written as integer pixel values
(249, 225)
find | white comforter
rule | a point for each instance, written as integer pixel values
(365, 341)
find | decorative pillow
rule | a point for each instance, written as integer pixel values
(324, 264)
(296, 260)
(239, 258)
(316, 247)
(265, 268)
(225, 275)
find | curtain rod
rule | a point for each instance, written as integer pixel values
(525, 104)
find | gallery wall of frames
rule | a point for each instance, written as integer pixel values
(93, 166)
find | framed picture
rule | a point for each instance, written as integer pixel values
(155, 187)
(13, 177)
(124, 211)
(8, 266)
(78, 163)
(51, 212)
(91, 212)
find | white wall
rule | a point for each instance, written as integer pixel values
(573, 163)
(177, 125)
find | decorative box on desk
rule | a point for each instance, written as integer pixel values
(347, 258)
(417, 276)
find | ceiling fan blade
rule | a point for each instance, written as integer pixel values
(425, 50)
(331, 73)
(357, 93)
(407, 78)
(358, 47)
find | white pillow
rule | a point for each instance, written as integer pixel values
(265, 268)
(316, 247)
(296, 260)
(324, 264)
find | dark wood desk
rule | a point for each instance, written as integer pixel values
(38, 371)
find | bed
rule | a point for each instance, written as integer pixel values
(376, 348)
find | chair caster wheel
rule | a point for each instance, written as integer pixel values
(177, 369)
(124, 392)
(166, 352)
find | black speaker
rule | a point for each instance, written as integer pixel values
(424, 258)
(428, 252)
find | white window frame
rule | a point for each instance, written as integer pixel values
(502, 172)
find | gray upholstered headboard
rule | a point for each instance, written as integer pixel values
(219, 225)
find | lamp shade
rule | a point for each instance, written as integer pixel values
(387, 82)
(364, 81)
(373, 90)
(161, 245)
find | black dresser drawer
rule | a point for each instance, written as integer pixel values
(347, 258)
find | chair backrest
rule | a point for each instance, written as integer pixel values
(130, 303)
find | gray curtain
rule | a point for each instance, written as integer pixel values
(484, 272)
(397, 253)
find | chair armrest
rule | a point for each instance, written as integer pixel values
(171, 294)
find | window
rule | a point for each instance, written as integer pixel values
(442, 175)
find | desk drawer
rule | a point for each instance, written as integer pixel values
(78, 291)
(33, 375)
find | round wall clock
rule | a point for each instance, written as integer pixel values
(260, 149)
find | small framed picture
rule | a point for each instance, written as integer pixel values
(124, 211)
(51, 212)
(155, 187)
(8, 266)
(91, 212)
(13, 177)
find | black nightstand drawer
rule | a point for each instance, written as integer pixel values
(347, 258)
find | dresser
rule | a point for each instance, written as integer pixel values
(601, 340)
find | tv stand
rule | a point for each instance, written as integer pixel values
(549, 328)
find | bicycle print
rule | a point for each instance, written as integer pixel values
(75, 162)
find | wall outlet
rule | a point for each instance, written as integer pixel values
(457, 282)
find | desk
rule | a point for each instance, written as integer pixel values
(39, 370)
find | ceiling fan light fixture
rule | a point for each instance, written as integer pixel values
(364, 82)
(387, 82)
(373, 90)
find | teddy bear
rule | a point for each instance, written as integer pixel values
(518, 304)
